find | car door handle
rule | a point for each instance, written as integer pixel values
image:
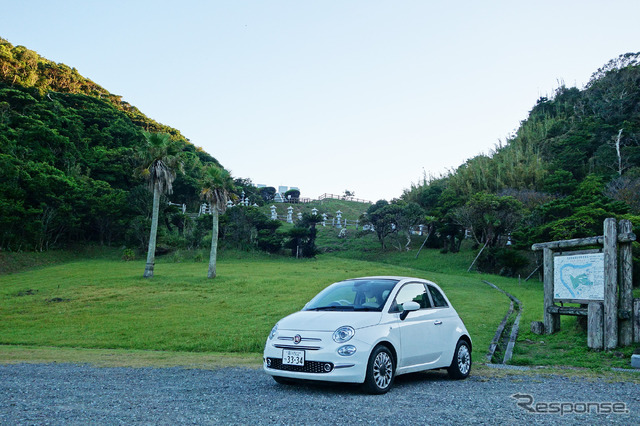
(436, 322)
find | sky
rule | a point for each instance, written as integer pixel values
(327, 96)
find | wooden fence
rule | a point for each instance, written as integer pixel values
(342, 197)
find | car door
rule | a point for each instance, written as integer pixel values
(418, 330)
(445, 321)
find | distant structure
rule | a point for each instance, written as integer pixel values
(279, 196)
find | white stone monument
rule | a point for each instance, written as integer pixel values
(274, 213)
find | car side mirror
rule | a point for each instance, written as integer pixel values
(408, 307)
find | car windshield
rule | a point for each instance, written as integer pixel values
(353, 295)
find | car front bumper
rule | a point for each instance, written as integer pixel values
(322, 361)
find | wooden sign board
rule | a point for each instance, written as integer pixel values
(578, 278)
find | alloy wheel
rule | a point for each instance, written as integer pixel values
(464, 359)
(383, 370)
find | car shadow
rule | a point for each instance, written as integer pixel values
(312, 387)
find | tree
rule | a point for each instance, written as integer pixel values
(217, 184)
(292, 195)
(160, 158)
(627, 190)
(302, 240)
(251, 194)
(238, 227)
(411, 215)
(488, 217)
(267, 193)
(383, 217)
(268, 239)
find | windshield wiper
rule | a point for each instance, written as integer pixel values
(332, 308)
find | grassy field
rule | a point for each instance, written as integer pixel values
(107, 304)
(179, 316)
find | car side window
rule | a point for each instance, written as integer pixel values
(412, 292)
(438, 298)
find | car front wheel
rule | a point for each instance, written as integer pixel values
(461, 363)
(380, 371)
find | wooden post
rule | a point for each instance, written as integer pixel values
(636, 320)
(610, 284)
(551, 321)
(595, 319)
(626, 288)
(537, 327)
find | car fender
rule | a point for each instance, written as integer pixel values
(382, 333)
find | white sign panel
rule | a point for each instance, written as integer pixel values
(579, 277)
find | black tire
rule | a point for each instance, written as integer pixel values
(381, 371)
(461, 364)
(282, 380)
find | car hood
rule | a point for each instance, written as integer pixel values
(328, 320)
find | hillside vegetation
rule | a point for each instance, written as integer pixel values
(573, 162)
(68, 159)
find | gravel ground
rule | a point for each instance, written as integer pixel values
(81, 394)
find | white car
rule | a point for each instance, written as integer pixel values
(369, 330)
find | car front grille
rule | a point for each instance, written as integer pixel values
(316, 367)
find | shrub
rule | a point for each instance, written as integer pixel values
(269, 241)
(199, 257)
(503, 261)
(128, 255)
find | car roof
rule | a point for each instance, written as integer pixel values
(391, 277)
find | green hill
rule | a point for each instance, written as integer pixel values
(574, 161)
(67, 159)
(67, 162)
(351, 210)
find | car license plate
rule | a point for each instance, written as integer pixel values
(290, 357)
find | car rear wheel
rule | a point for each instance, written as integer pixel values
(380, 371)
(461, 363)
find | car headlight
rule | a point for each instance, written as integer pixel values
(272, 334)
(343, 334)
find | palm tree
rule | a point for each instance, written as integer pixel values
(217, 185)
(160, 157)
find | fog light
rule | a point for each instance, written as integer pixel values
(268, 362)
(327, 368)
(346, 350)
